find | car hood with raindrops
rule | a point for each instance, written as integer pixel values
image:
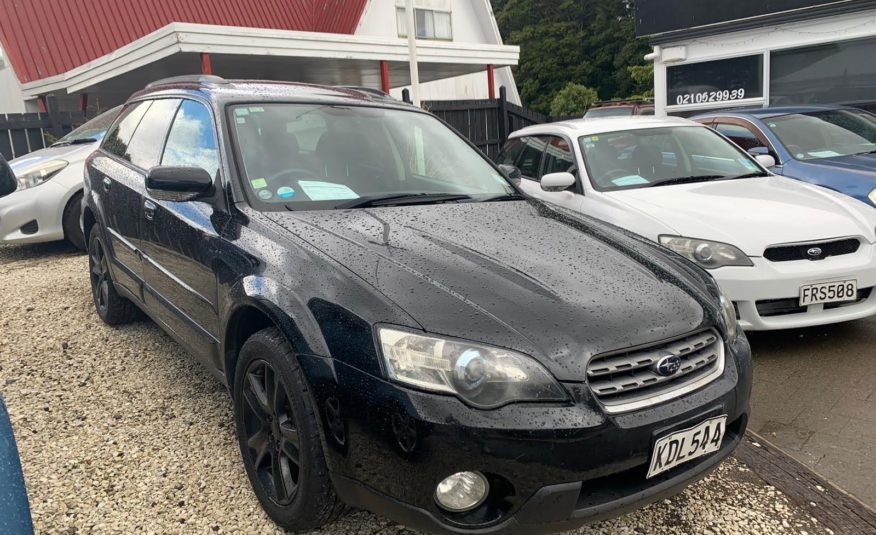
(520, 274)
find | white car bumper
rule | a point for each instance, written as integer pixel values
(43, 204)
(766, 295)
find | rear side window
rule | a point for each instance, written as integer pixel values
(144, 149)
(192, 141)
(510, 152)
(116, 142)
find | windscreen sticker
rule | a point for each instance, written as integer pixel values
(256, 109)
(823, 153)
(632, 180)
(285, 192)
(259, 183)
(772, 125)
(326, 191)
(265, 194)
(240, 112)
(240, 120)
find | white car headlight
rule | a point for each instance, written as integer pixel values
(728, 317)
(872, 196)
(485, 377)
(708, 254)
(40, 173)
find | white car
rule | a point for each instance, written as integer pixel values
(46, 203)
(787, 253)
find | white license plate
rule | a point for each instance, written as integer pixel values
(683, 446)
(828, 292)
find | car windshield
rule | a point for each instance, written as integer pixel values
(305, 157)
(825, 134)
(92, 131)
(609, 112)
(662, 156)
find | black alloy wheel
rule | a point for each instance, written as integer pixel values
(100, 278)
(270, 433)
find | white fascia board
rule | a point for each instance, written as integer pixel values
(196, 38)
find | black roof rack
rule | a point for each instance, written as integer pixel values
(368, 90)
(194, 79)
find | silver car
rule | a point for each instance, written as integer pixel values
(45, 205)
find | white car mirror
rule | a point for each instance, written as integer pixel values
(766, 160)
(557, 181)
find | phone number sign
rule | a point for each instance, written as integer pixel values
(723, 80)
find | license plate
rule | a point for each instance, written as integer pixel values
(683, 446)
(828, 292)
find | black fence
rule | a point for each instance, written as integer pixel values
(486, 123)
(21, 133)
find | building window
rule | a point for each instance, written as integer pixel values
(839, 72)
(431, 24)
(715, 82)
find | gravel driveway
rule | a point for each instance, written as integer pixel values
(121, 432)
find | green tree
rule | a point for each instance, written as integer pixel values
(643, 78)
(589, 42)
(574, 99)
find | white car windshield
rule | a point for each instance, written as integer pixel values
(825, 134)
(662, 156)
(305, 157)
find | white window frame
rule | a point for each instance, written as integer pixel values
(401, 22)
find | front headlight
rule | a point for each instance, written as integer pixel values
(728, 317)
(39, 174)
(485, 377)
(708, 254)
(872, 196)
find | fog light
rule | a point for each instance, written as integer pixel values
(462, 491)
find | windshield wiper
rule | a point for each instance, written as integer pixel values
(397, 199)
(504, 197)
(746, 175)
(684, 180)
(80, 141)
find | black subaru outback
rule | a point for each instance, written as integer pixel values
(400, 329)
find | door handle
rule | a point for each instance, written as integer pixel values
(149, 209)
(107, 183)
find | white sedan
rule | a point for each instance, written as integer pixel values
(788, 254)
(45, 205)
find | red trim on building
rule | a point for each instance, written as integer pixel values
(83, 102)
(43, 38)
(491, 79)
(384, 76)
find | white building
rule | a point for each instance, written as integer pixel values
(710, 55)
(88, 57)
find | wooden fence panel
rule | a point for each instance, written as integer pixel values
(21, 133)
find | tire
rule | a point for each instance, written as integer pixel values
(112, 308)
(70, 222)
(302, 497)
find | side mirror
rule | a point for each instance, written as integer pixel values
(765, 160)
(8, 183)
(557, 181)
(169, 183)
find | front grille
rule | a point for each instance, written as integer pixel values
(629, 380)
(782, 307)
(801, 251)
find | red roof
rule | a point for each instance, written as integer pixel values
(43, 38)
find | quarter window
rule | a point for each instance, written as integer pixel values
(192, 142)
(144, 150)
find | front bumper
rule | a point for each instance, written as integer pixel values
(42, 204)
(551, 467)
(778, 284)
